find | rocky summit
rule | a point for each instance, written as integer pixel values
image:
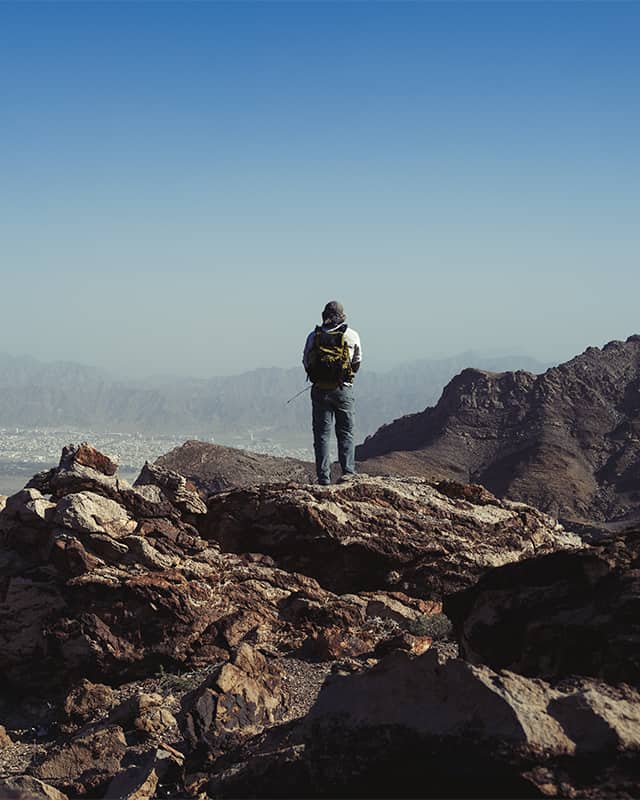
(291, 640)
(567, 441)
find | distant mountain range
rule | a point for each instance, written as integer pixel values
(38, 394)
(567, 441)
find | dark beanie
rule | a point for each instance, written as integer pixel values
(333, 313)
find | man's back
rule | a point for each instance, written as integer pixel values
(332, 355)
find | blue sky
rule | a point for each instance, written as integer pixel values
(184, 185)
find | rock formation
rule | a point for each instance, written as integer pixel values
(400, 533)
(558, 615)
(567, 441)
(153, 646)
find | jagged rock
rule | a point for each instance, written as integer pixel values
(24, 522)
(334, 642)
(145, 713)
(411, 727)
(29, 788)
(174, 486)
(140, 781)
(88, 456)
(27, 607)
(566, 441)
(84, 609)
(87, 512)
(106, 547)
(70, 557)
(398, 607)
(115, 621)
(81, 468)
(5, 739)
(373, 532)
(239, 700)
(29, 506)
(142, 552)
(87, 698)
(561, 614)
(86, 763)
(417, 645)
(363, 723)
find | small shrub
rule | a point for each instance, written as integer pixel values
(171, 682)
(437, 626)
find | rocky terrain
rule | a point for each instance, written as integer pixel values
(292, 640)
(567, 441)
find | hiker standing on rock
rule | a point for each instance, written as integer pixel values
(332, 356)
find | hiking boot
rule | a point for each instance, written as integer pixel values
(348, 476)
(324, 483)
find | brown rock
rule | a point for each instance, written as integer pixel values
(26, 787)
(88, 512)
(5, 739)
(558, 615)
(238, 700)
(88, 456)
(139, 782)
(86, 699)
(172, 485)
(456, 712)
(145, 713)
(465, 730)
(375, 533)
(87, 762)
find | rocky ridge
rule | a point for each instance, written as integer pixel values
(214, 468)
(288, 640)
(567, 441)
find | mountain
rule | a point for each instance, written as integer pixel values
(567, 441)
(213, 468)
(36, 394)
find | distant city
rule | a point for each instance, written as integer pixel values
(25, 451)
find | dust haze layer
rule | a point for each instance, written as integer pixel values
(37, 394)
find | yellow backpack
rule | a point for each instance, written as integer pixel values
(329, 363)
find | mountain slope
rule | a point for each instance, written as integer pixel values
(36, 394)
(567, 441)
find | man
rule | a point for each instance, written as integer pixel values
(332, 356)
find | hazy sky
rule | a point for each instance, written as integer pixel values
(184, 185)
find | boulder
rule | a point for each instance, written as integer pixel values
(147, 714)
(173, 486)
(81, 467)
(239, 700)
(26, 787)
(87, 699)
(374, 533)
(557, 615)
(140, 780)
(5, 739)
(86, 763)
(412, 727)
(88, 512)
